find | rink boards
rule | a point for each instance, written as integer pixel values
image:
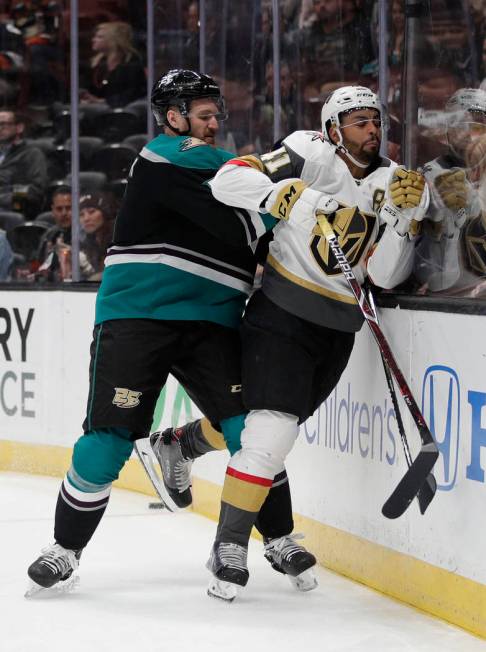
(346, 462)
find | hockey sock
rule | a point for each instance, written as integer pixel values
(198, 438)
(98, 458)
(242, 498)
(232, 429)
(275, 516)
(213, 437)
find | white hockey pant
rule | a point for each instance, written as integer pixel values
(266, 440)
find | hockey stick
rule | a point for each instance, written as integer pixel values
(428, 489)
(411, 483)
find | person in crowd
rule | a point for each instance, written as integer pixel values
(302, 323)
(173, 290)
(338, 43)
(445, 259)
(117, 73)
(191, 41)
(23, 177)
(97, 216)
(61, 210)
(40, 26)
(6, 257)
(449, 44)
(288, 105)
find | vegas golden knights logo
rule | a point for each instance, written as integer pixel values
(353, 230)
(126, 398)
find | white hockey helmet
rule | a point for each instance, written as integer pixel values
(460, 111)
(462, 102)
(343, 100)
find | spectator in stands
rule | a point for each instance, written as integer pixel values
(191, 42)
(97, 215)
(6, 257)
(117, 73)
(61, 212)
(450, 45)
(23, 176)
(39, 25)
(288, 106)
(338, 43)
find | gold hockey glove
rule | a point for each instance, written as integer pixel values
(407, 200)
(453, 189)
(291, 199)
(406, 188)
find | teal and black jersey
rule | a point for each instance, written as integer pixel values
(177, 252)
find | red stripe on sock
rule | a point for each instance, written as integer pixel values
(253, 479)
(235, 161)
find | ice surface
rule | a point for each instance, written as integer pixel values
(143, 589)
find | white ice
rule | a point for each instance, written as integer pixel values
(143, 584)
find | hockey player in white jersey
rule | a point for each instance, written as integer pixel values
(299, 329)
(446, 256)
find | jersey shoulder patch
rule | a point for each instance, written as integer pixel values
(310, 145)
(190, 142)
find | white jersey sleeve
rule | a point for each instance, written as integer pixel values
(241, 185)
(391, 262)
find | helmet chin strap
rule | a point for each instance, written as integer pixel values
(341, 148)
(179, 132)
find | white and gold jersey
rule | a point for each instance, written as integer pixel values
(301, 274)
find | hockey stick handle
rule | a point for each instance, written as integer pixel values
(372, 321)
(391, 389)
(429, 488)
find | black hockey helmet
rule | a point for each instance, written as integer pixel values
(178, 88)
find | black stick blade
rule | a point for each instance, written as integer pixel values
(426, 493)
(412, 482)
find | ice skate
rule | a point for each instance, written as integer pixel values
(53, 571)
(288, 557)
(175, 468)
(227, 563)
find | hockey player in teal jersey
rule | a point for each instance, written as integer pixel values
(176, 280)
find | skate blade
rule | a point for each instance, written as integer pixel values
(147, 459)
(226, 591)
(306, 581)
(37, 591)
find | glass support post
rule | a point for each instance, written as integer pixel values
(74, 66)
(202, 36)
(276, 69)
(383, 76)
(413, 15)
(150, 65)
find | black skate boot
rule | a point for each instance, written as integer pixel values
(227, 563)
(288, 557)
(176, 469)
(55, 564)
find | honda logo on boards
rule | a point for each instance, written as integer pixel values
(441, 407)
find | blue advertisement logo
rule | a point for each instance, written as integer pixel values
(441, 407)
